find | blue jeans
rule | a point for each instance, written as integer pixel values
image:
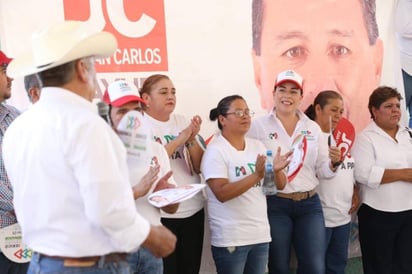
(300, 223)
(44, 265)
(248, 259)
(337, 242)
(143, 262)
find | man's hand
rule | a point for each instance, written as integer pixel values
(160, 241)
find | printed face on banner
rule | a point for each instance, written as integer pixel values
(139, 27)
(327, 42)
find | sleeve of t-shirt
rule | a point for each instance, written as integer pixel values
(213, 163)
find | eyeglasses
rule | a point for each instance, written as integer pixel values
(242, 113)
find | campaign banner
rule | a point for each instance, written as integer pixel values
(211, 49)
(139, 27)
(12, 245)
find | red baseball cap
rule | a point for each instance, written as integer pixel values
(121, 92)
(4, 60)
(289, 76)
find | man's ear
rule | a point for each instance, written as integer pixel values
(82, 69)
(34, 94)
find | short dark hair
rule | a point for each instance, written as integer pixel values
(368, 11)
(380, 95)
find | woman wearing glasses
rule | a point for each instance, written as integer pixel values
(233, 167)
(295, 213)
(180, 138)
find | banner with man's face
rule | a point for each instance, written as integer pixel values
(211, 49)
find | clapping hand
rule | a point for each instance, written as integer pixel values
(281, 161)
(195, 124)
(146, 182)
(260, 166)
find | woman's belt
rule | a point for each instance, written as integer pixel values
(297, 196)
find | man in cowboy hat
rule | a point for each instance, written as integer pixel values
(7, 216)
(67, 166)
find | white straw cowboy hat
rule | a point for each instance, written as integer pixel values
(60, 44)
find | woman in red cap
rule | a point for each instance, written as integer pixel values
(295, 212)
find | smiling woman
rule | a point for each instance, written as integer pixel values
(295, 212)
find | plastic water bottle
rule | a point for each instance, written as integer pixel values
(269, 186)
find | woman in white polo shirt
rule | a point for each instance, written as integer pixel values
(295, 213)
(383, 152)
(233, 167)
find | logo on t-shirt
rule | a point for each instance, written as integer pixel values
(242, 170)
(273, 136)
(308, 134)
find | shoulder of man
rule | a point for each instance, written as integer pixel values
(13, 110)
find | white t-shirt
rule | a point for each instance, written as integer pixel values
(150, 212)
(271, 132)
(163, 133)
(241, 220)
(375, 151)
(336, 193)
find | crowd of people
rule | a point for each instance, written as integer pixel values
(81, 201)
